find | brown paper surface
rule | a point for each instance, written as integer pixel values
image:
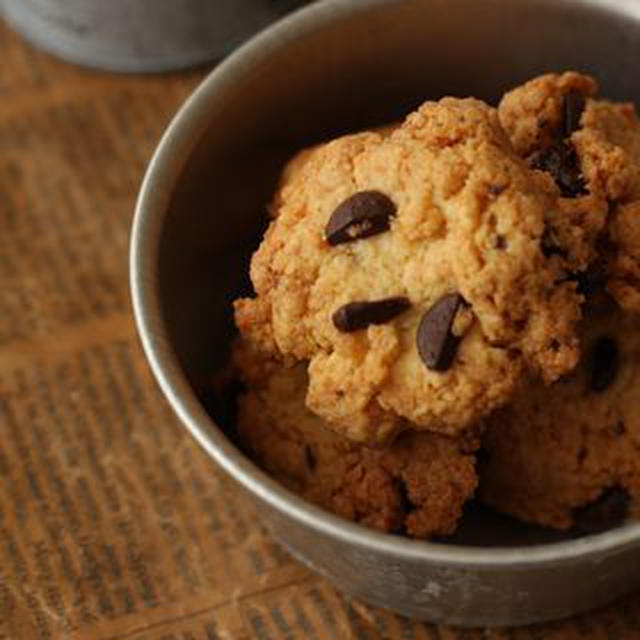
(113, 523)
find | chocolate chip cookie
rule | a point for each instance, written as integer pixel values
(417, 486)
(410, 269)
(589, 151)
(569, 454)
(564, 456)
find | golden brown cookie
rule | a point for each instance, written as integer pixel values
(588, 151)
(417, 486)
(569, 454)
(408, 267)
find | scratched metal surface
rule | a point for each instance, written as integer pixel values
(141, 35)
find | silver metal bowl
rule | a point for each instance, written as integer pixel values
(141, 35)
(335, 66)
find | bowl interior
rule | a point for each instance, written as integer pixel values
(347, 66)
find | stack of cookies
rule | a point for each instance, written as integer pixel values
(466, 282)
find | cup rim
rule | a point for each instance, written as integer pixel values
(166, 164)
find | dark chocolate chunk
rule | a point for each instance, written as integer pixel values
(608, 511)
(364, 214)
(500, 243)
(573, 107)
(561, 161)
(604, 360)
(437, 345)
(359, 315)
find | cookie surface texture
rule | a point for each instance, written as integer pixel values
(576, 140)
(417, 486)
(555, 453)
(408, 268)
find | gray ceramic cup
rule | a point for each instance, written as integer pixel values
(141, 35)
(338, 66)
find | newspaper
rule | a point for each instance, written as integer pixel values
(113, 523)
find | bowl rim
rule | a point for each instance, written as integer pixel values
(167, 162)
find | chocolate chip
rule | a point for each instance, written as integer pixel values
(364, 214)
(500, 243)
(573, 107)
(609, 510)
(437, 345)
(560, 158)
(359, 315)
(604, 360)
(561, 161)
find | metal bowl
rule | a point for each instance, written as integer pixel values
(335, 66)
(140, 35)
